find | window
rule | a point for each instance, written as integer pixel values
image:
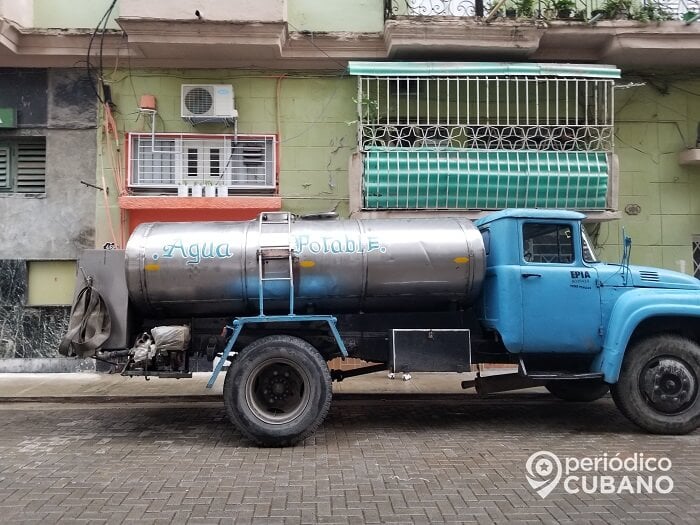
(696, 256)
(23, 165)
(480, 136)
(159, 163)
(548, 243)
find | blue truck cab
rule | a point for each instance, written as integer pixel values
(591, 324)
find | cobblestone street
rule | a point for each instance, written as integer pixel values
(373, 461)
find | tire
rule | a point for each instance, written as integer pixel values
(294, 376)
(658, 385)
(581, 390)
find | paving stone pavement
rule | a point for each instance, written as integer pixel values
(373, 461)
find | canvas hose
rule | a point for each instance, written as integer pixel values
(89, 325)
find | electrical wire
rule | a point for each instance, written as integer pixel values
(101, 27)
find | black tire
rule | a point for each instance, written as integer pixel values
(294, 376)
(578, 390)
(658, 385)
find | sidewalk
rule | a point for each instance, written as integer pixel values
(90, 385)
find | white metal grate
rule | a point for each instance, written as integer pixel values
(164, 161)
(696, 256)
(486, 112)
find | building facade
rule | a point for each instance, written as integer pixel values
(121, 112)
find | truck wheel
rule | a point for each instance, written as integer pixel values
(278, 390)
(658, 385)
(577, 390)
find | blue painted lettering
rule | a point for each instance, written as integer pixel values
(194, 252)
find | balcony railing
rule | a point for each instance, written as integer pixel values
(572, 10)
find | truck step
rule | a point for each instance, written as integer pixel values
(157, 373)
(562, 376)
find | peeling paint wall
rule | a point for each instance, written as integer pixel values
(316, 128)
(659, 198)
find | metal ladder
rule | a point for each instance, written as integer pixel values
(277, 250)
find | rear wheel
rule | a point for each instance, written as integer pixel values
(578, 390)
(658, 385)
(278, 390)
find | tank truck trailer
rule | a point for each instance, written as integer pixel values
(406, 295)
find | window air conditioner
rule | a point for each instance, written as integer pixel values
(202, 103)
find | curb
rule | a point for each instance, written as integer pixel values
(346, 396)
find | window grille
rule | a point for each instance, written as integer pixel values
(486, 112)
(696, 256)
(23, 165)
(164, 161)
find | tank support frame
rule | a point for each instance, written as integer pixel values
(239, 322)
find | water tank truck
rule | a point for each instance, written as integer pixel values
(517, 286)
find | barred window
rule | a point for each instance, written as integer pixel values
(165, 160)
(461, 136)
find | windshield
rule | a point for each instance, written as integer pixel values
(587, 246)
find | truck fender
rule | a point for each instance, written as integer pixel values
(629, 311)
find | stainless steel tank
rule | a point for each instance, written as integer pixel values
(211, 268)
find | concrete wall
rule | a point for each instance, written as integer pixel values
(652, 127)
(58, 104)
(70, 14)
(361, 16)
(240, 10)
(60, 223)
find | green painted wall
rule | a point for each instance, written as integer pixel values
(361, 16)
(317, 131)
(652, 127)
(316, 139)
(72, 14)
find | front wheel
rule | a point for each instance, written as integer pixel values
(278, 390)
(577, 389)
(658, 385)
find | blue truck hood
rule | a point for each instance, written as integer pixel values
(647, 277)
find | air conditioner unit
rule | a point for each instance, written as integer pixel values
(201, 103)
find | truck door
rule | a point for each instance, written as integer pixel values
(561, 300)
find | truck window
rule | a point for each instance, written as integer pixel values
(548, 243)
(586, 244)
(486, 235)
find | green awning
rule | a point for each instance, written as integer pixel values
(457, 179)
(470, 69)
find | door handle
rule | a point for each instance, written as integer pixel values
(527, 275)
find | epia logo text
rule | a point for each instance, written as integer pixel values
(604, 474)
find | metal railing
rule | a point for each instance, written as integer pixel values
(486, 112)
(641, 10)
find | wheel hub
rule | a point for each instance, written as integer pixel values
(669, 385)
(276, 391)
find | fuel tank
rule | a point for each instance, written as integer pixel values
(337, 266)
